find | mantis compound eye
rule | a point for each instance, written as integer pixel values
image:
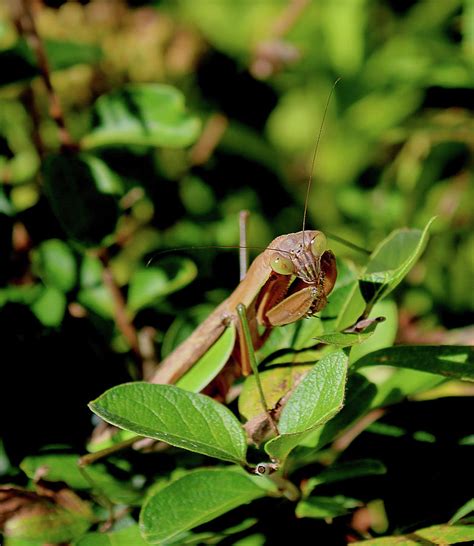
(318, 244)
(281, 265)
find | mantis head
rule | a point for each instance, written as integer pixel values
(304, 254)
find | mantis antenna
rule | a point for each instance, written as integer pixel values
(320, 132)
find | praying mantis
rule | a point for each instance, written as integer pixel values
(289, 280)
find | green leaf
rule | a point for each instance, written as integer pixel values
(325, 507)
(98, 299)
(341, 340)
(455, 362)
(193, 500)
(151, 283)
(360, 393)
(210, 363)
(144, 115)
(56, 265)
(388, 264)
(50, 307)
(86, 214)
(466, 508)
(317, 398)
(344, 471)
(391, 261)
(437, 534)
(19, 63)
(181, 418)
(124, 537)
(64, 468)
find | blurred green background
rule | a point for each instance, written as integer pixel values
(238, 130)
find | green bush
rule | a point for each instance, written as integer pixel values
(131, 136)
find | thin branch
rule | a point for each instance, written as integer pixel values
(121, 318)
(27, 27)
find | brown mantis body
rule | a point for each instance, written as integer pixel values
(289, 280)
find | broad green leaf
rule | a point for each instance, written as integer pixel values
(325, 507)
(149, 284)
(124, 537)
(344, 471)
(194, 499)
(181, 418)
(210, 363)
(360, 393)
(437, 534)
(144, 115)
(388, 264)
(64, 468)
(86, 214)
(462, 512)
(56, 265)
(50, 307)
(455, 362)
(317, 398)
(276, 382)
(391, 261)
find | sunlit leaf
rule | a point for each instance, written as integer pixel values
(317, 398)
(210, 364)
(181, 418)
(193, 500)
(143, 114)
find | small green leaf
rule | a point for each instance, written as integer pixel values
(86, 214)
(388, 264)
(98, 299)
(181, 418)
(124, 537)
(64, 468)
(341, 340)
(437, 534)
(314, 401)
(210, 363)
(194, 499)
(149, 284)
(466, 508)
(391, 261)
(144, 115)
(50, 307)
(360, 393)
(56, 265)
(344, 471)
(325, 507)
(455, 362)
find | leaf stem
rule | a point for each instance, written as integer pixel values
(242, 312)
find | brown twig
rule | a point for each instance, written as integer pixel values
(121, 318)
(211, 135)
(343, 442)
(27, 27)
